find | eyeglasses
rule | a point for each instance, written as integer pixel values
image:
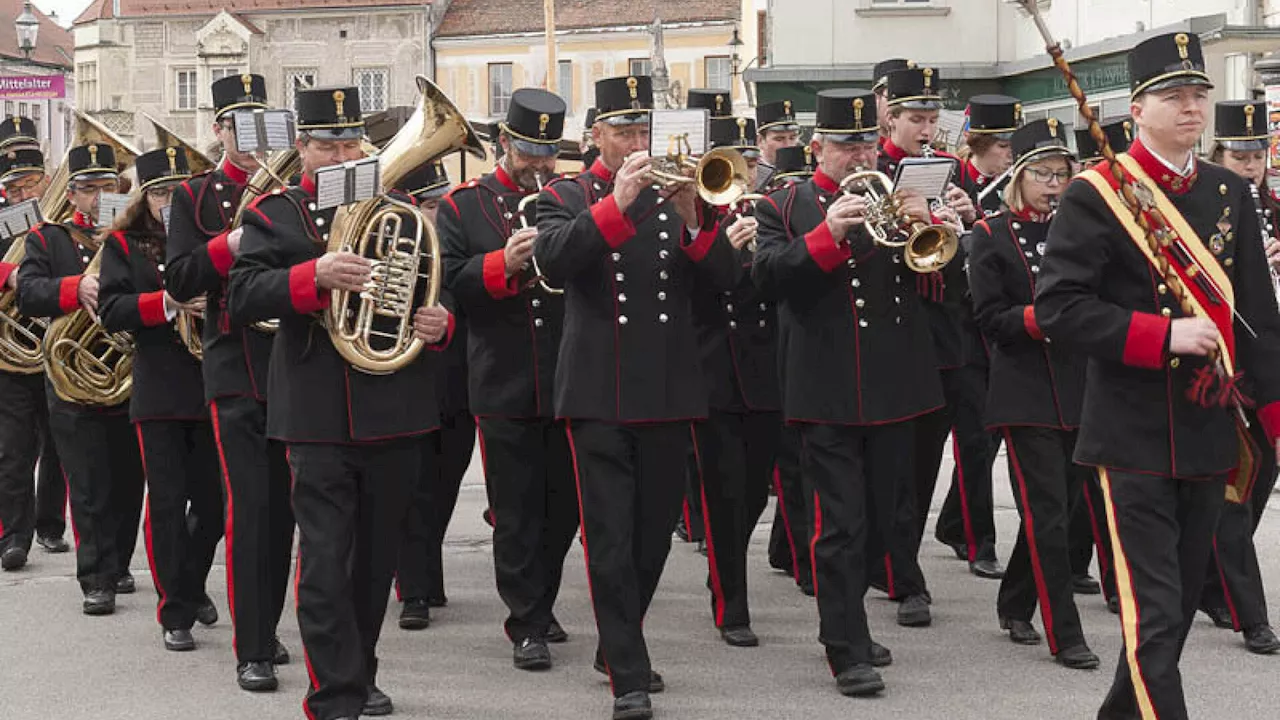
(163, 193)
(25, 185)
(1046, 176)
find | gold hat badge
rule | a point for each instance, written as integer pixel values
(339, 103)
(1128, 130)
(247, 81)
(786, 107)
(17, 124)
(742, 131)
(172, 153)
(632, 84)
(808, 155)
(1184, 42)
(1249, 110)
(858, 105)
(719, 104)
(1053, 127)
(543, 119)
(928, 78)
(1017, 113)
(93, 156)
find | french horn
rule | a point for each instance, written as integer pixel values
(85, 364)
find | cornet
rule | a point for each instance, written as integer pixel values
(539, 278)
(721, 175)
(928, 248)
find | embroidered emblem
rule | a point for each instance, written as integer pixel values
(1217, 244)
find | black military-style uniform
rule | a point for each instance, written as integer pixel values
(514, 340)
(354, 445)
(860, 365)
(97, 446)
(1162, 454)
(973, 182)
(174, 434)
(629, 383)
(1033, 400)
(259, 518)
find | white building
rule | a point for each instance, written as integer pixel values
(41, 86)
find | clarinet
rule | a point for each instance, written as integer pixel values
(1260, 209)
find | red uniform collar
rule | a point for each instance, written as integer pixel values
(824, 182)
(1031, 215)
(500, 174)
(234, 172)
(1166, 179)
(599, 170)
(308, 184)
(893, 152)
(81, 221)
(976, 174)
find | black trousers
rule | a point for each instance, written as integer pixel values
(181, 467)
(420, 575)
(104, 476)
(1044, 483)
(27, 507)
(736, 454)
(1087, 530)
(1234, 579)
(691, 510)
(1162, 533)
(968, 515)
(855, 472)
(630, 480)
(349, 501)
(259, 523)
(529, 472)
(789, 538)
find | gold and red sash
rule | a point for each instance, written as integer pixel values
(1182, 257)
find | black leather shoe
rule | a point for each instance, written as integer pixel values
(960, 549)
(99, 602)
(256, 676)
(1220, 616)
(1078, 657)
(1085, 585)
(415, 614)
(634, 705)
(656, 683)
(807, 589)
(207, 613)
(860, 680)
(438, 601)
(783, 566)
(740, 636)
(914, 612)
(487, 516)
(377, 703)
(880, 655)
(531, 654)
(125, 584)
(1113, 604)
(1021, 632)
(555, 633)
(179, 640)
(279, 653)
(682, 531)
(702, 548)
(987, 569)
(52, 544)
(13, 558)
(1261, 640)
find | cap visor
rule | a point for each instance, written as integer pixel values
(1039, 154)
(96, 176)
(1193, 77)
(863, 137)
(628, 119)
(1245, 145)
(918, 104)
(16, 173)
(164, 182)
(431, 193)
(348, 133)
(524, 147)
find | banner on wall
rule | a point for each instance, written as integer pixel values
(32, 87)
(1273, 125)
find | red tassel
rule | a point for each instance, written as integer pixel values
(1202, 390)
(1210, 389)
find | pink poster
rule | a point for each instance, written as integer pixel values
(32, 87)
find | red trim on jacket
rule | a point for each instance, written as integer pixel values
(308, 184)
(234, 172)
(616, 227)
(445, 341)
(1144, 345)
(1270, 416)
(151, 308)
(307, 297)
(824, 250)
(82, 221)
(69, 293)
(1168, 180)
(599, 170)
(496, 281)
(893, 152)
(6, 269)
(701, 245)
(1029, 322)
(824, 181)
(500, 174)
(220, 254)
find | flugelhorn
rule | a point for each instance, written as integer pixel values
(539, 278)
(86, 364)
(927, 248)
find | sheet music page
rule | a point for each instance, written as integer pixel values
(331, 186)
(109, 206)
(264, 130)
(365, 180)
(666, 124)
(16, 220)
(246, 131)
(927, 177)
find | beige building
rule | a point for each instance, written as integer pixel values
(37, 84)
(160, 56)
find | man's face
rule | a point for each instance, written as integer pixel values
(225, 130)
(838, 160)
(27, 187)
(1174, 118)
(526, 169)
(1248, 164)
(316, 153)
(84, 194)
(430, 207)
(616, 142)
(911, 130)
(771, 140)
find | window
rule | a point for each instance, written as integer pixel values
(639, 66)
(22, 110)
(718, 72)
(295, 79)
(8, 108)
(87, 86)
(372, 83)
(35, 118)
(564, 82)
(499, 88)
(185, 96)
(217, 73)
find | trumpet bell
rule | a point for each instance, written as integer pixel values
(930, 248)
(722, 177)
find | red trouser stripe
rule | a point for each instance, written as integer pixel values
(230, 523)
(582, 524)
(146, 526)
(1029, 532)
(964, 500)
(786, 522)
(717, 589)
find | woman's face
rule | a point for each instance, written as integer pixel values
(158, 199)
(1248, 164)
(1043, 181)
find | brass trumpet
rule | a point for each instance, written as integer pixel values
(927, 248)
(721, 175)
(86, 364)
(539, 278)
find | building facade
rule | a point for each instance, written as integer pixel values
(159, 57)
(40, 86)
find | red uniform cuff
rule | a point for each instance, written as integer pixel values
(1144, 345)
(1270, 417)
(306, 297)
(615, 226)
(824, 250)
(6, 269)
(701, 244)
(151, 308)
(69, 293)
(447, 339)
(220, 253)
(1029, 322)
(495, 276)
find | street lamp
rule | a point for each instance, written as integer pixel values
(28, 28)
(735, 44)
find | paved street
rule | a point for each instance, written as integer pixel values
(57, 663)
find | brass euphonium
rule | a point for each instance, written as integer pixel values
(21, 348)
(86, 364)
(54, 205)
(927, 248)
(373, 329)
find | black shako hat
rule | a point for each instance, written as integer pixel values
(717, 103)
(162, 166)
(997, 115)
(1038, 139)
(238, 92)
(848, 115)
(624, 100)
(776, 115)
(880, 73)
(738, 133)
(427, 181)
(17, 162)
(1167, 61)
(1241, 125)
(535, 121)
(91, 162)
(794, 161)
(17, 130)
(1119, 132)
(330, 113)
(914, 89)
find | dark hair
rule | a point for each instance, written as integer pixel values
(1216, 155)
(137, 223)
(980, 143)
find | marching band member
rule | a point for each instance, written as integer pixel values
(420, 575)
(259, 519)
(354, 439)
(992, 120)
(166, 405)
(847, 315)
(1033, 397)
(98, 450)
(880, 86)
(24, 416)
(1233, 595)
(515, 334)
(625, 253)
(777, 128)
(1158, 420)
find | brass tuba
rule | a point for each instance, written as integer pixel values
(927, 248)
(21, 350)
(86, 364)
(373, 329)
(54, 205)
(197, 161)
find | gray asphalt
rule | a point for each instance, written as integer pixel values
(57, 663)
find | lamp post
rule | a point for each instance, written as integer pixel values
(28, 27)
(735, 59)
